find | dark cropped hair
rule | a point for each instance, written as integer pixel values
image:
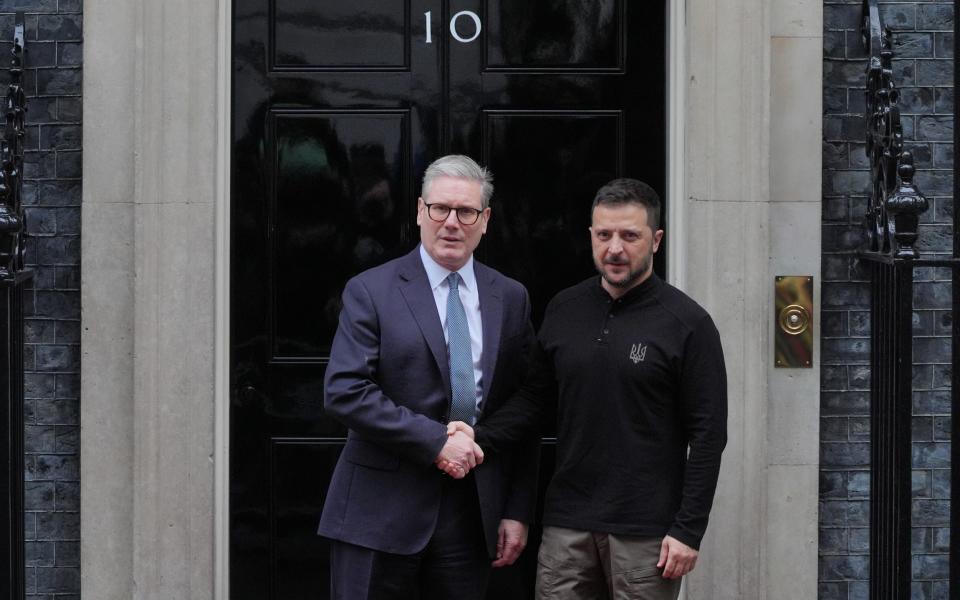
(625, 191)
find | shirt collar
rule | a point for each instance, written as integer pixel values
(646, 289)
(437, 274)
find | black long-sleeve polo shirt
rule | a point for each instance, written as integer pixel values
(638, 381)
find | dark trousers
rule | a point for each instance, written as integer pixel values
(454, 563)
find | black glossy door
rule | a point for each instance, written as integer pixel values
(338, 106)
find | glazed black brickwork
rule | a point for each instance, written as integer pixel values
(923, 47)
(52, 198)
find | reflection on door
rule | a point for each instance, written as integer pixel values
(338, 106)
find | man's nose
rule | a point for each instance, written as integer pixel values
(451, 220)
(616, 245)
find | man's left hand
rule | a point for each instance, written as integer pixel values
(676, 558)
(511, 541)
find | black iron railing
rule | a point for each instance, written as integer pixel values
(13, 277)
(892, 223)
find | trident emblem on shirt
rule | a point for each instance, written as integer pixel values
(637, 353)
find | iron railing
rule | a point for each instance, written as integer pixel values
(13, 277)
(891, 221)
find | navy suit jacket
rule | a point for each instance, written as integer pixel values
(388, 381)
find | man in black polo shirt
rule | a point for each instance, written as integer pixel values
(637, 370)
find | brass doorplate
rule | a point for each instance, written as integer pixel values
(793, 319)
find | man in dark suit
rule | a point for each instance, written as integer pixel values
(427, 338)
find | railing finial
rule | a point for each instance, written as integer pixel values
(895, 202)
(905, 207)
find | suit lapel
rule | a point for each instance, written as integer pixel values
(491, 312)
(416, 291)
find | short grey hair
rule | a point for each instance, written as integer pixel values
(461, 167)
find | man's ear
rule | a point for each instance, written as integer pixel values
(657, 236)
(486, 220)
(420, 206)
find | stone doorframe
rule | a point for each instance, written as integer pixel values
(744, 190)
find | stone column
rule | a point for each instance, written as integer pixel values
(752, 183)
(793, 403)
(147, 380)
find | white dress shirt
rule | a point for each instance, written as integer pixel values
(469, 297)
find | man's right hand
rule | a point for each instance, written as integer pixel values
(455, 426)
(459, 455)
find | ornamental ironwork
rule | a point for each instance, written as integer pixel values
(12, 218)
(892, 261)
(895, 203)
(14, 278)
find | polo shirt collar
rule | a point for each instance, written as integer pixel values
(647, 289)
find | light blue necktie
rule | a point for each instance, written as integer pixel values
(463, 403)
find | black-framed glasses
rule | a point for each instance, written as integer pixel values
(465, 214)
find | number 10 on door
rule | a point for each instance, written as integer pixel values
(468, 14)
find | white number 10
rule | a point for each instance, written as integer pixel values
(453, 26)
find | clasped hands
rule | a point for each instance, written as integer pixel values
(460, 454)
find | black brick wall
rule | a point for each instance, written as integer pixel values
(52, 195)
(923, 50)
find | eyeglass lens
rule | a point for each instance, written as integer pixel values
(465, 214)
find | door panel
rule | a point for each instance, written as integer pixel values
(568, 35)
(538, 230)
(355, 35)
(300, 560)
(338, 107)
(338, 189)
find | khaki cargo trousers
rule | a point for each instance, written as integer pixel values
(581, 565)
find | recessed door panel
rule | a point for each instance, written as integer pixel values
(338, 203)
(359, 35)
(541, 211)
(300, 471)
(570, 35)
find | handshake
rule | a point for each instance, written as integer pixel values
(460, 454)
